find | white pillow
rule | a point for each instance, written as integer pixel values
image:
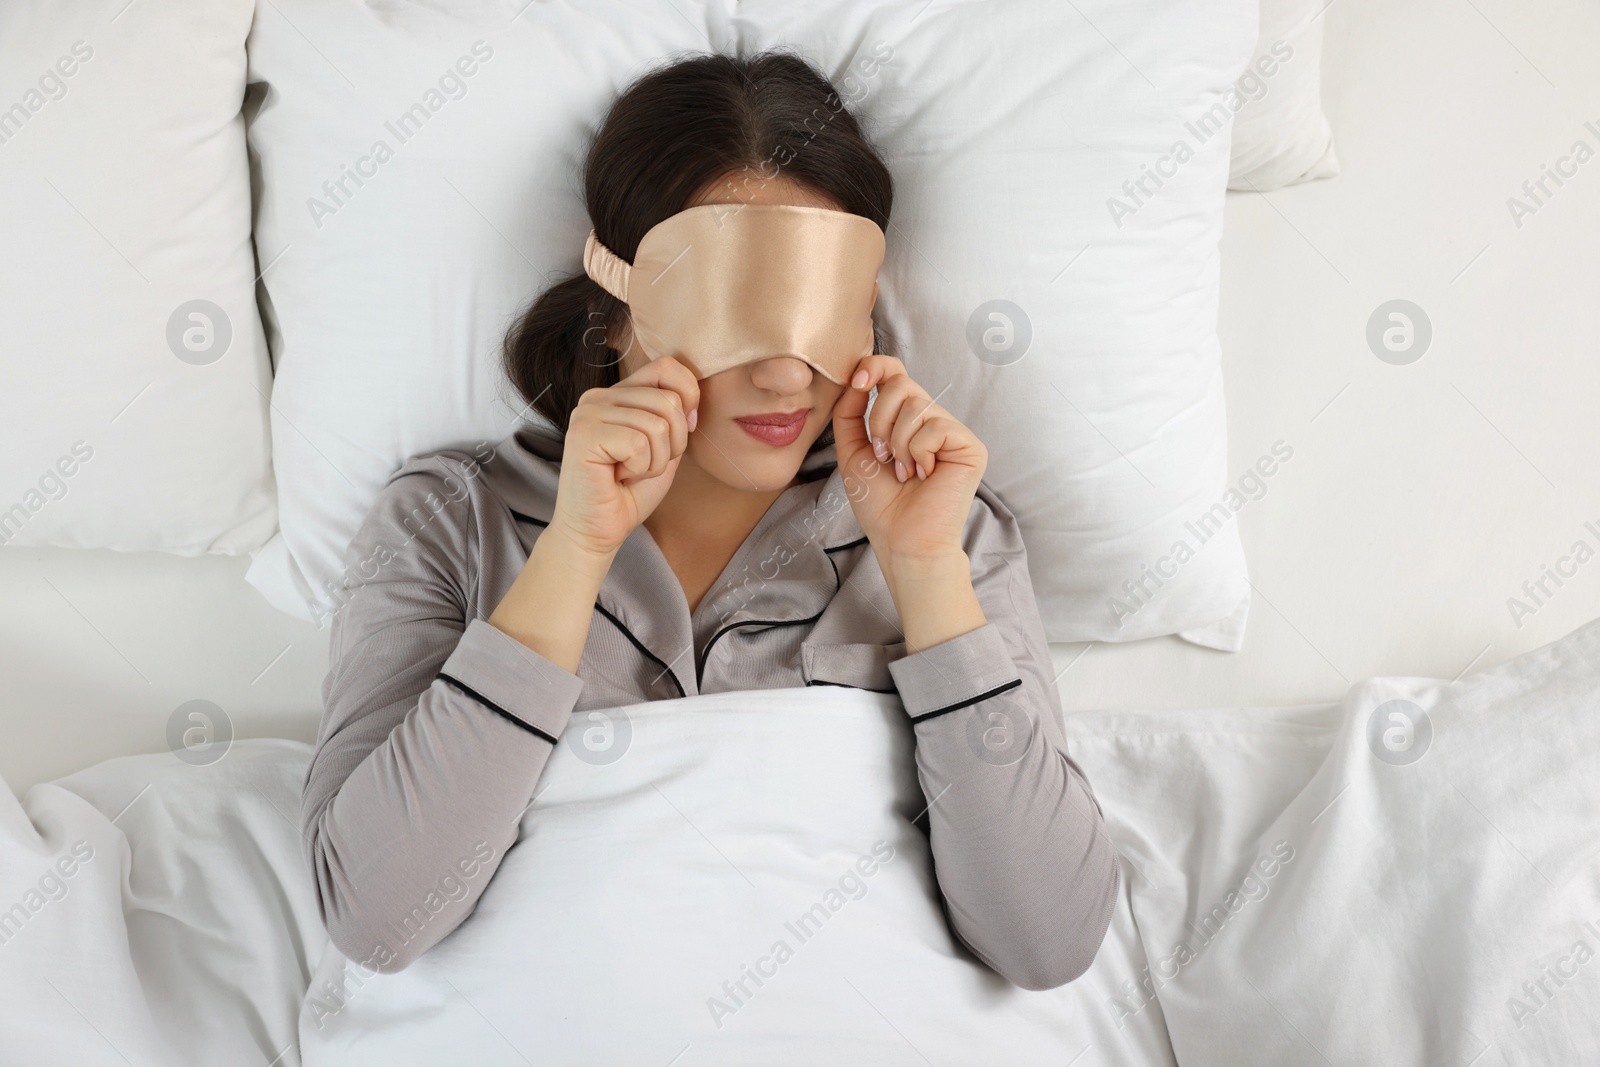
(1280, 135)
(1010, 129)
(136, 375)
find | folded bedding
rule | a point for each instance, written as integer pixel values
(1407, 877)
(157, 912)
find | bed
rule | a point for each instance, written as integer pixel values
(1404, 554)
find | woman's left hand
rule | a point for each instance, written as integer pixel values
(911, 516)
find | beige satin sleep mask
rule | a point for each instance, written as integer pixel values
(720, 285)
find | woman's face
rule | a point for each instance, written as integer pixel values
(743, 454)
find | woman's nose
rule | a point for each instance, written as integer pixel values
(781, 374)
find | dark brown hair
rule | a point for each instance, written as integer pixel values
(668, 135)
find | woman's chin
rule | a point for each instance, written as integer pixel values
(751, 465)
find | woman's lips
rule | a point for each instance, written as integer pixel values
(778, 430)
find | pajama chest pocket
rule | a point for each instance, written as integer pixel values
(858, 665)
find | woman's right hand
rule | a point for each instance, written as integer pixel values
(622, 448)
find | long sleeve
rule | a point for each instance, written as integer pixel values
(436, 727)
(1027, 871)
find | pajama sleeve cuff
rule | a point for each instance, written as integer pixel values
(955, 674)
(508, 677)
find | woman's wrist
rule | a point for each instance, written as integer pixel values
(551, 604)
(587, 560)
(940, 566)
(934, 596)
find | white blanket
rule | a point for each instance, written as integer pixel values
(623, 925)
(618, 930)
(1437, 910)
(157, 913)
(1300, 889)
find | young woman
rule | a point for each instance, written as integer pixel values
(745, 531)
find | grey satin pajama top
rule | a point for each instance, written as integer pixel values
(436, 725)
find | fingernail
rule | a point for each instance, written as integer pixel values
(899, 470)
(860, 379)
(694, 417)
(920, 472)
(880, 450)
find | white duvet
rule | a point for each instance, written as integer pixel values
(744, 885)
(1438, 910)
(157, 913)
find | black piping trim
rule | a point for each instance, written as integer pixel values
(958, 705)
(492, 706)
(520, 517)
(637, 644)
(847, 685)
(699, 671)
(840, 548)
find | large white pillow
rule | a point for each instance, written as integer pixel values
(133, 412)
(1280, 135)
(1016, 133)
